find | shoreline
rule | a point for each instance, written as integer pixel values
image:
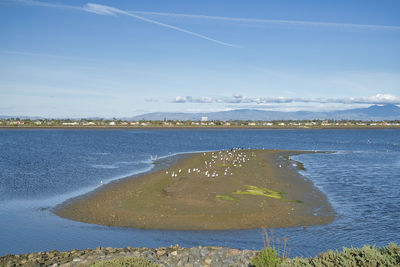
(205, 203)
(157, 165)
(378, 127)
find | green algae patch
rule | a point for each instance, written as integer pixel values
(265, 192)
(259, 191)
(226, 197)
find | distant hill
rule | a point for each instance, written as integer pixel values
(5, 117)
(374, 113)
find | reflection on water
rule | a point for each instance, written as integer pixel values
(40, 168)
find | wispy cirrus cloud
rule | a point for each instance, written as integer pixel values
(33, 54)
(112, 11)
(275, 21)
(240, 99)
(108, 10)
(44, 4)
(189, 99)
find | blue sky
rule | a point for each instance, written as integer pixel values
(124, 58)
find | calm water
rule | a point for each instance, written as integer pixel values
(41, 168)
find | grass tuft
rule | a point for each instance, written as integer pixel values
(365, 256)
(274, 252)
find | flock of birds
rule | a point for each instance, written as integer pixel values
(226, 160)
(220, 164)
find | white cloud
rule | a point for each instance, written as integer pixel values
(189, 99)
(377, 99)
(102, 10)
(240, 99)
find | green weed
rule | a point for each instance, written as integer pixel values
(259, 191)
(226, 197)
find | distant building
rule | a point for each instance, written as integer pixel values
(112, 123)
(70, 123)
(17, 123)
(204, 118)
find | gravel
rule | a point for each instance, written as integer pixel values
(170, 256)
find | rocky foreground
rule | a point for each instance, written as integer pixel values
(205, 256)
(171, 256)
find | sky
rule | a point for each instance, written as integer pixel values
(125, 58)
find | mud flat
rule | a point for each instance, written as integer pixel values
(229, 189)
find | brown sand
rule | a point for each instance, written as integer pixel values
(194, 201)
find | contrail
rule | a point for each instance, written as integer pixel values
(106, 10)
(44, 4)
(112, 11)
(274, 21)
(23, 53)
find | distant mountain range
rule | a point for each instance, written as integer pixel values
(374, 113)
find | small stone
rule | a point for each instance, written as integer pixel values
(204, 252)
(161, 252)
(174, 253)
(233, 251)
(208, 261)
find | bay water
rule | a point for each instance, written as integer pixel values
(40, 168)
